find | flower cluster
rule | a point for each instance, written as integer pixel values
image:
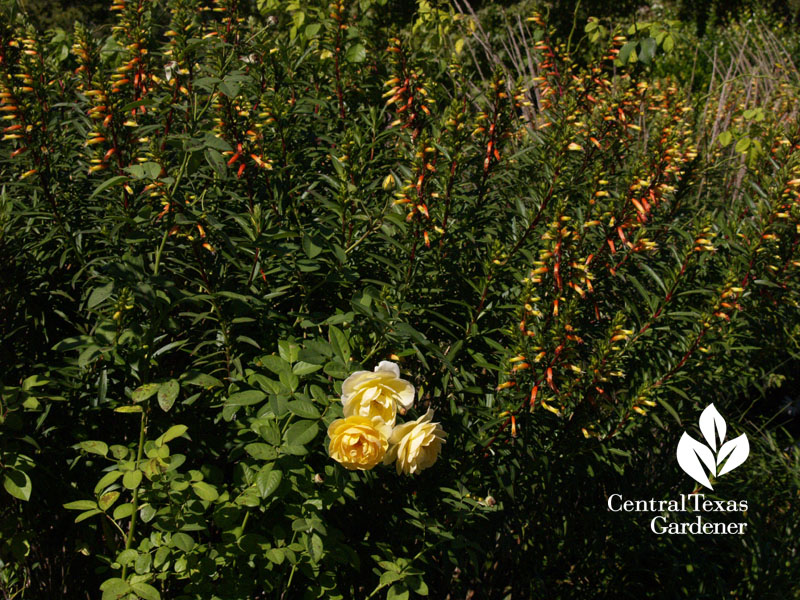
(368, 433)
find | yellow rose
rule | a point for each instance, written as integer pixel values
(415, 445)
(357, 442)
(377, 394)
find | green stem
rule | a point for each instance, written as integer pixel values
(132, 530)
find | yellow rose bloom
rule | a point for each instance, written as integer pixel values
(415, 445)
(357, 442)
(377, 394)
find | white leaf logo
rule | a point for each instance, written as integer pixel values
(693, 455)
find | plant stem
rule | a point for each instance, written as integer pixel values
(132, 529)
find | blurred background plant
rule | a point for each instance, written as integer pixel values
(573, 229)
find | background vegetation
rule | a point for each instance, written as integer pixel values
(573, 231)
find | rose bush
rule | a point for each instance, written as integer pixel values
(216, 215)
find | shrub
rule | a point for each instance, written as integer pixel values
(212, 218)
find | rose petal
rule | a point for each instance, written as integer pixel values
(388, 366)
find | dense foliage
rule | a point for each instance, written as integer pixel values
(215, 214)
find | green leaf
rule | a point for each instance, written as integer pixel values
(356, 53)
(183, 541)
(290, 380)
(389, 577)
(128, 409)
(671, 410)
(625, 52)
(17, 483)
(89, 513)
(107, 184)
(170, 434)
(647, 49)
(80, 505)
(146, 591)
(123, 511)
(205, 491)
(276, 364)
(201, 379)
(148, 170)
(316, 548)
(94, 447)
(99, 295)
(106, 480)
(132, 479)
(668, 44)
(114, 589)
(268, 481)
(107, 500)
(126, 557)
(275, 555)
(261, 451)
(301, 432)
(304, 368)
(147, 512)
(340, 344)
(167, 393)
(304, 408)
(288, 350)
(742, 145)
(143, 392)
(311, 249)
(398, 591)
(246, 398)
